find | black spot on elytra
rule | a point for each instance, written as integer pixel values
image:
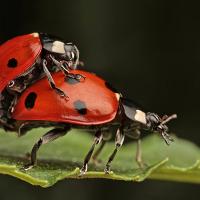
(109, 86)
(71, 80)
(80, 106)
(30, 100)
(12, 63)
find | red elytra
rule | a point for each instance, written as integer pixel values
(25, 49)
(91, 102)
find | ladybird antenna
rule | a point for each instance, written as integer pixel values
(174, 116)
(167, 138)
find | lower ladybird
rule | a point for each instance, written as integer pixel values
(92, 104)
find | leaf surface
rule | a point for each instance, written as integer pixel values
(63, 158)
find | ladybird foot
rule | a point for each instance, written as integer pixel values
(66, 98)
(27, 167)
(77, 77)
(62, 94)
(83, 170)
(107, 169)
(142, 165)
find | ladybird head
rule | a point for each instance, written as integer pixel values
(70, 55)
(67, 53)
(148, 121)
(158, 124)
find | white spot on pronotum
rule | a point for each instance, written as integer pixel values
(117, 96)
(140, 116)
(58, 47)
(35, 34)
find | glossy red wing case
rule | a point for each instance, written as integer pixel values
(25, 50)
(90, 102)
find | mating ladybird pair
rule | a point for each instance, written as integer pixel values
(92, 103)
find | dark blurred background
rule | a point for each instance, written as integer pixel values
(148, 49)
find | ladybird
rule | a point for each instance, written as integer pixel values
(27, 58)
(18, 56)
(93, 105)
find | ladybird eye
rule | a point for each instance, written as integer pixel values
(154, 119)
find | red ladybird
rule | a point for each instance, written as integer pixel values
(93, 104)
(19, 55)
(27, 58)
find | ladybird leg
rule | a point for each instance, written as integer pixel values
(77, 57)
(138, 156)
(97, 140)
(51, 81)
(12, 105)
(64, 69)
(97, 152)
(106, 136)
(119, 139)
(77, 77)
(5, 122)
(48, 137)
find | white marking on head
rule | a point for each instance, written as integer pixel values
(140, 117)
(58, 47)
(35, 34)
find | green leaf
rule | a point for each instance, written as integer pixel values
(63, 158)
